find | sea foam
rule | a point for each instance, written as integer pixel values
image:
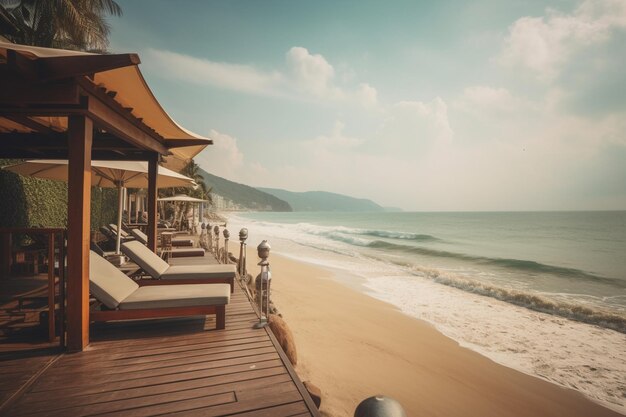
(574, 355)
(526, 331)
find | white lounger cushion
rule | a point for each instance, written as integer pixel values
(145, 258)
(167, 296)
(199, 271)
(140, 236)
(107, 283)
(113, 227)
(158, 268)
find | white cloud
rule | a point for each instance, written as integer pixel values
(305, 76)
(334, 142)
(487, 148)
(312, 73)
(485, 112)
(544, 45)
(416, 122)
(236, 77)
(489, 96)
(367, 95)
(223, 158)
(532, 159)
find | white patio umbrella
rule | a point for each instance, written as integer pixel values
(185, 199)
(109, 174)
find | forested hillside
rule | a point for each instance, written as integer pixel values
(243, 195)
(323, 201)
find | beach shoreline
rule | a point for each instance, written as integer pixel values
(353, 346)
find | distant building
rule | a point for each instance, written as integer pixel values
(221, 203)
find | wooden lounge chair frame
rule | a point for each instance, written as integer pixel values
(160, 281)
(109, 314)
(137, 314)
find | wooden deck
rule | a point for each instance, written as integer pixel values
(178, 367)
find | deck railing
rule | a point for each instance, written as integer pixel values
(54, 257)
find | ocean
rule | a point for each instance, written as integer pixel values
(541, 292)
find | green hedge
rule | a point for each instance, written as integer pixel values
(33, 202)
(103, 206)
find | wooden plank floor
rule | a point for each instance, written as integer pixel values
(178, 367)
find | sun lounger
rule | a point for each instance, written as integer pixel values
(98, 250)
(124, 299)
(124, 236)
(143, 238)
(106, 232)
(112, 237)
(123, 233)
(171, 252)
(160, 270)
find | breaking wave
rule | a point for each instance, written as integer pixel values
(531, 301)
(334, 232)
(390, 242)
(517, 264)
(399, 235)
(353, 236)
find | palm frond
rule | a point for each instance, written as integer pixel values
(74, 24)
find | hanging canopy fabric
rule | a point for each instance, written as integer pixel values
(183, 198)
(61, 105)
(109, 174)
(126, 85)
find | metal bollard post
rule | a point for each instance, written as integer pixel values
(243, 235)
(263, 251)
(202, 239)
(208, 238)
(226, 236)
(216, 231)
(379, 406)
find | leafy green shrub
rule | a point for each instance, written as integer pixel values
(33, 202)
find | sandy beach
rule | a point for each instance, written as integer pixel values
(352, 346)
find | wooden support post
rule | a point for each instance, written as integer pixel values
(80, 135)
(153, 166)
(62, 286)
(6, 254)
(128, 203)
(137, 209)
(51, 289)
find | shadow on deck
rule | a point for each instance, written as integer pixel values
(176, 367)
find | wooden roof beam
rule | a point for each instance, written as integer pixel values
(17, 92)
(102, 106)
(58, 140)
(96, 154)
(122, 126)
(14, 140)
(30, 123)
(102, 140)
(55, 68)
(181, 143)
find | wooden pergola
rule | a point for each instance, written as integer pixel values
(57, 104)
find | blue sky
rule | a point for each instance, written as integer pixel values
(483, 105)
